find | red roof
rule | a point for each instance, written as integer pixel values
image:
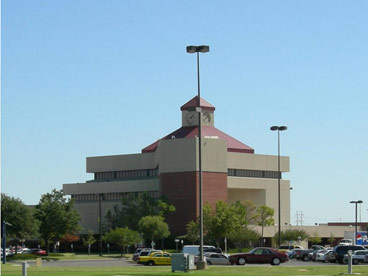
(233, 145)
(194, 103)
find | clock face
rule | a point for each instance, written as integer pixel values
(190, 117)
(206, 117)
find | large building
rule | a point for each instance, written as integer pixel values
(231, 172)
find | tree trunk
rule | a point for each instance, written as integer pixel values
(47, 247)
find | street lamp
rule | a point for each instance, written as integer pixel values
(191, 50)
(278, 129)
(3, 232)
(356, 202)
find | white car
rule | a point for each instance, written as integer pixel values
(216, 259)
(358, 256)
(322, 255)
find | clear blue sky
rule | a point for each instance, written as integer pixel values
(88, 78)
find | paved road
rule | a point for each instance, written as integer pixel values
(124, 262)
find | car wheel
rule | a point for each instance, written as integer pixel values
(355, 262)
(209, 263)
(306, 258)
(276, 261)
(241, 261)
(151, 263)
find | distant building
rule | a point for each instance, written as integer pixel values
(231, 172)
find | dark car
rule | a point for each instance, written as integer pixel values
(259, 255)
(340, 250)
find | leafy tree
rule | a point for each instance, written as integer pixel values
(135, 207)
(154, 227)
(57, 217)
(15, 212)
(315, 239)
(193, 231)
(250, 212)
(89, 240)
(69, 238)
(244, 237)
(292, 235)
(122, 237)
(225, 219)
(331, 239)
(264, 217)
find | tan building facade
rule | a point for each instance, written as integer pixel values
(231, 172)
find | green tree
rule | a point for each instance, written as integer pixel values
(331, 239)
(122, 237)
(89, 240)
(264, 217)
(133, 207)
(57, 217)
(153, 227)
(292, 235)
(193, 231)
(222, 221)
(244, 237)
(250, 212)
(15, 212)
(315, 239)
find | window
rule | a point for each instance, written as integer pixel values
(254, 173)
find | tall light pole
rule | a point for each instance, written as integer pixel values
(278, 129)
(356, 202)
(199, 49)
(3, 233)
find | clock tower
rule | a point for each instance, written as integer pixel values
(190, 117)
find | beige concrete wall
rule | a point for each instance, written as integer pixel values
(322, 230)
(257, 162)
(89, 214)
(112, 187)
(121, 162)
(181, 155)
(261, 191)
(257, 196)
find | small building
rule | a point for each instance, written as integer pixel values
(232, 171)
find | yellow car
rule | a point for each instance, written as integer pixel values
(155, 258)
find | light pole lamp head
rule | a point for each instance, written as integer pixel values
(198, 49)
(203, 48)
(356, 201)
(279, 128)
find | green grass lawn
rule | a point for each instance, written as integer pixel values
(10, 270)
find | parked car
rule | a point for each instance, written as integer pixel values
(216, 259)
(146, 252)
(358, 256)
(346, 242)
(285, 248)
(136, 253)
(260, 255)
(320, 255)
(155, 258)
(340, 250)
(330, 257)
(194, 249)
(38, 251)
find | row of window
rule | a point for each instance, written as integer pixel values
(111, 196)
(136, 174)
(254, 173)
